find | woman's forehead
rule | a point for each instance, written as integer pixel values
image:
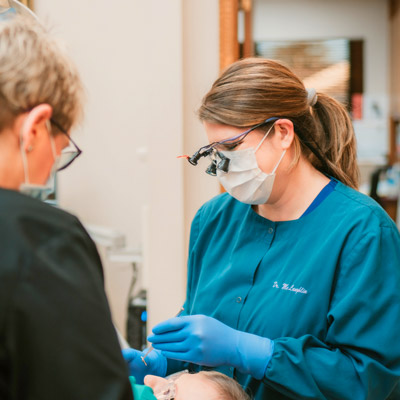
(195, 387)
(220, 133)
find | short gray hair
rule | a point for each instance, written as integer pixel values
(35, 70)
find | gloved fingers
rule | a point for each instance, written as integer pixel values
(191, 357)
(180, 356)
(137, 364)
(179, 347)
(172, 324)
(169, 337)
(130, 354)
(150, 358)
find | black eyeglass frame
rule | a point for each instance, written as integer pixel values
(78, 150)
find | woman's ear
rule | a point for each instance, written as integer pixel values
(34, 127)
(284, 130)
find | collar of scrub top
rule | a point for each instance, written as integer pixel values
(223, 164)
(14, 6)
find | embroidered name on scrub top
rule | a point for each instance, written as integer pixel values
(290, 288)
(323, 194)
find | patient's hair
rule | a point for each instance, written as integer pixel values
(228, 388)
(34, 70)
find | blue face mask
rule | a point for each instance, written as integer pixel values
(7, 13)
(40, 192)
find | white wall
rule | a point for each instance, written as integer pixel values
(130, 56)
(146, 66)
(201, 68)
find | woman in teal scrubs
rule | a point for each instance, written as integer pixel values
(293, 275)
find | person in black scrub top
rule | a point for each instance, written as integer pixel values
(57, 340)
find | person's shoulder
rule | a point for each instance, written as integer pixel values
(14, 203)
(217, 214)
(222, 203)
(32, 217)
(39, 233)
(358, 206)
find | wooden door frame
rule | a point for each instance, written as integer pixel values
(394, 10)
(28, 3)
(228, 30)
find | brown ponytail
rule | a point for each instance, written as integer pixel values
(254, 89)
(336, 136)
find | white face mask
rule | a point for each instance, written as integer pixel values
(40, 192)
(245, 181)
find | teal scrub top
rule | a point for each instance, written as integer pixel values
(141, 392)
(325, 288)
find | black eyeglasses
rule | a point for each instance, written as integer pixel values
(223, 163)
(68, 154)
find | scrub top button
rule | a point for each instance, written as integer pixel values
(271, 230)
(238, 299)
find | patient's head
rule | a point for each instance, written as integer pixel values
(210, 385)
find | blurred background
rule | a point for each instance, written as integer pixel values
(146, 66)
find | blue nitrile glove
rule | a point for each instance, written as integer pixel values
(156, 364)
(206, 341)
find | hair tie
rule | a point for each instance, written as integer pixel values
(312, 97)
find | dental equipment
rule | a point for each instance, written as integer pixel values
(151, 348)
